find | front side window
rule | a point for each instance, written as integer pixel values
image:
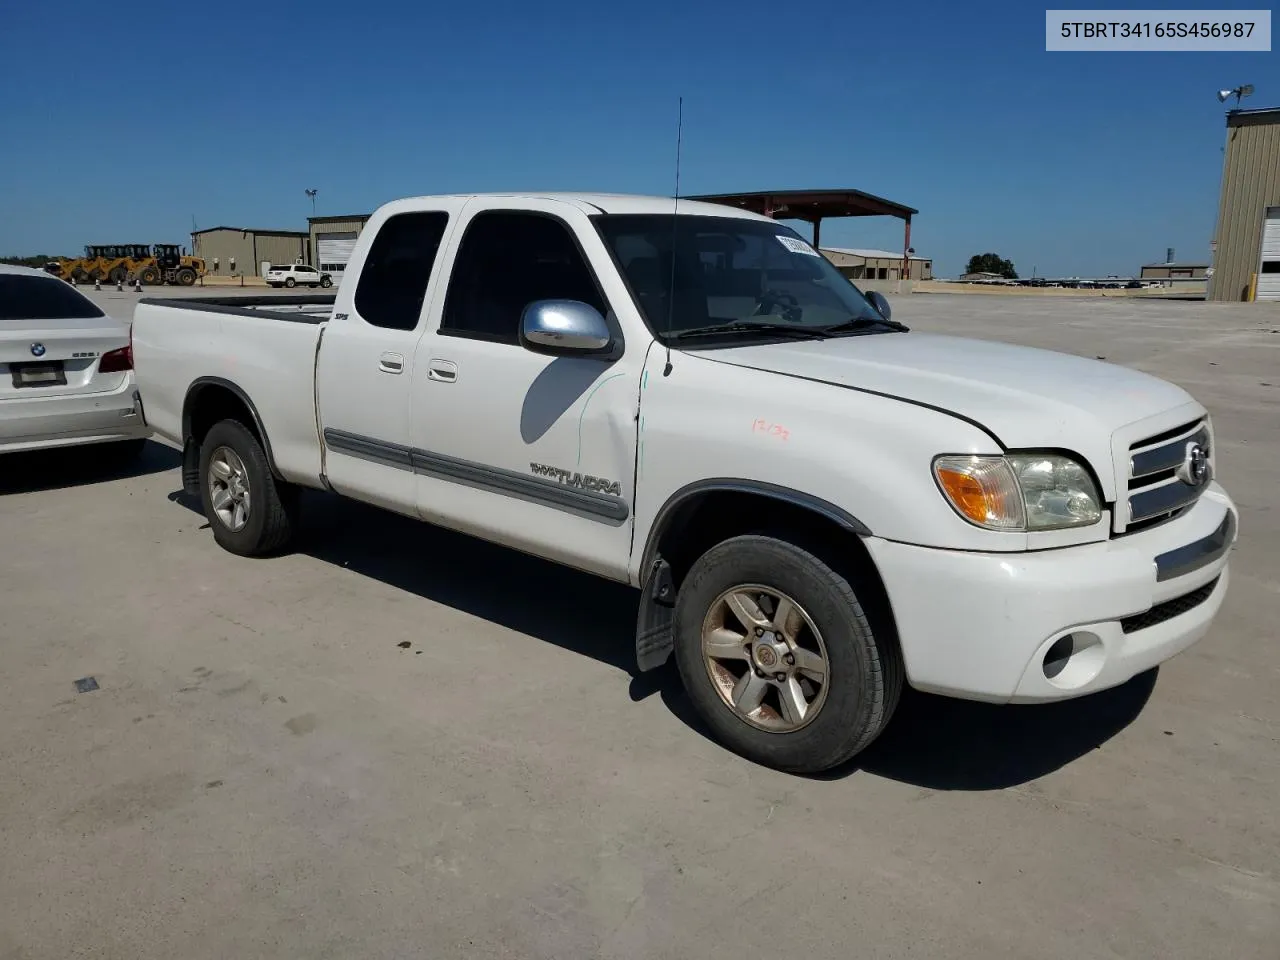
(393, 281)
(37, 298)
(729, 271)
(506, 261)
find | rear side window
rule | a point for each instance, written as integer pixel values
(38, 298)
(393, 280)
(507, 261)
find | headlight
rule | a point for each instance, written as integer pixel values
(1024, 491)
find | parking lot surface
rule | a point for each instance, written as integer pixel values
(398, 742)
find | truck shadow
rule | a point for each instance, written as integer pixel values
(79, 466)
(933, 742)
(945, 744)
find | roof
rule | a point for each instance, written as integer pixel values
(1180, 266)
(13, 268)
(257, 230)
(1254, 117)
(350, 216)
(813, 204)
(870, 254)
(593, 203)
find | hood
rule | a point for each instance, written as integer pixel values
(1024, 397)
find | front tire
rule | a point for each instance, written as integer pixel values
(326, 282)
(779, 658)
(251, 513)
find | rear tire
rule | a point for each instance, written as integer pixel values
(269, 518)
(186, 276)
(862, 674)
(291, 283)
(149, 277)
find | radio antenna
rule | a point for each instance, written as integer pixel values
(675, 210)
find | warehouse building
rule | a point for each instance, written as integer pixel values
(333, 239)
(1247, 243)
(858, 264)
(244, 251)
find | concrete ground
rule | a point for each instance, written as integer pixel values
(266, 772)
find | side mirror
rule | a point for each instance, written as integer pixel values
(878, 300)
(564, 327)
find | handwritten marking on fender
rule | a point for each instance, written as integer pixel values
(770, 429)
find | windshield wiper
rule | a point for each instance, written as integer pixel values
(859, 323)
(747, 326)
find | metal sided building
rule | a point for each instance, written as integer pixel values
(245, 251)
(333, 239)
(1247, 243)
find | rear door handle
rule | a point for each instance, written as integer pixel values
(391, 363)
(445, 371)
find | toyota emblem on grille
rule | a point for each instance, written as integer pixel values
(37, 349)
(1195, 467)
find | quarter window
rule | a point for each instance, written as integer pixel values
(506, 261)
(394, 278)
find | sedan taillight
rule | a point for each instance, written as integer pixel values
(117, 361)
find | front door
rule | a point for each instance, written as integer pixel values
(365, 369)
(534, 451)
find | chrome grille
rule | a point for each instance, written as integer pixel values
(1160, 486)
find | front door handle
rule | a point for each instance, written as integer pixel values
(391, 363)
(445, 371)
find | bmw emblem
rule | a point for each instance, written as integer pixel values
(37, 349)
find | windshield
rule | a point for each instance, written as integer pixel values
(730, 271)
(38, 298)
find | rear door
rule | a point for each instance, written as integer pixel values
(52, 339)
(365, 370)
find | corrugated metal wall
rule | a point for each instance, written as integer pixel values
(277, 249)
(335, 226)
(248, 249)
(1250, 184)
(222, 245)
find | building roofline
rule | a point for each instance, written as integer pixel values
(1179, 265)
(1253, 117)
(811, 204)
(258, 230)
(353, 216)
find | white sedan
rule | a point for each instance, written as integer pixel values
(66, 369)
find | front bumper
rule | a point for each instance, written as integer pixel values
(35, 423)
(1054, 624)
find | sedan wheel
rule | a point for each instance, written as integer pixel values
(229, 489)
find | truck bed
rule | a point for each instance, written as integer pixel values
(299, 308)
(263, 345)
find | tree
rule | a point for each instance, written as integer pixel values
(37, 260)
(992, 263)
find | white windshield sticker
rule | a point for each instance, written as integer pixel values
(796, 245)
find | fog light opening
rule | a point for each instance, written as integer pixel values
(1074, 660)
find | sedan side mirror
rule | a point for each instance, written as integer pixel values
(564, 327)
(881, 303)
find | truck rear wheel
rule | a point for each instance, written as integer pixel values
(185, 276)
(779, 658)
(250, 511)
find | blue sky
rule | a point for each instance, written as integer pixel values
(119, 130)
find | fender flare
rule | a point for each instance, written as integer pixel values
(191, 452)
(654, 639)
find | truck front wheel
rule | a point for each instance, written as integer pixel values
(779, 658)
(251, 512)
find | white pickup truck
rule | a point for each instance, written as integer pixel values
(815, 503)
